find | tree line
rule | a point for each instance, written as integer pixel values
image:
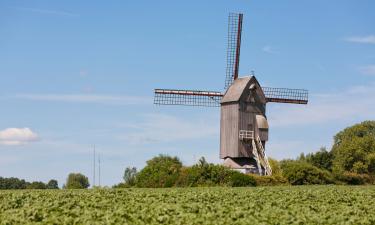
(351, 160)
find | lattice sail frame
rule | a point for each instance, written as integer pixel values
(213, 98)
(286, 95)
(233, 48)
(187, 97)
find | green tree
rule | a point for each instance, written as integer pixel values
(300, 173)
(275, 166)
(36, 185)
(77, 181)
(12, 183)
(160, 171)
(354, 149)
(321, 159)
(52, 184)
(130, 175)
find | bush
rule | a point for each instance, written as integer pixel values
(300, 173)
(77, 181)
(120, 185)
(160, 171)
(205, 174)
(354, 178)
(273, 180)
(238, 179)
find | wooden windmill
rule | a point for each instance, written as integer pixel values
(243, 123)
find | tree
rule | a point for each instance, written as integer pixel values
(130, 174)
(77, 181)
(300, 173)
(52, 184)
(275, 166)
(36, 185)
(354, 149)
(321, 159)
(12, 183)
(160, 171)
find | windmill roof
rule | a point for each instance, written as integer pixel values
(234, 92)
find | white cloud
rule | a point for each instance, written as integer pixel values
(17, 136)
(165, 128)
(86, 98)
(47, 11)
(370, 39)
(355, 103)
(269, 49)
(368, 70)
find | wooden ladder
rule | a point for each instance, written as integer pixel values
(258, 150)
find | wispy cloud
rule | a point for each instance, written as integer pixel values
(47, 11)
(166, 128)
(86, 98)
(268, 49)
(17, 136)
(368, 70)
(354, 103)
(370, 39)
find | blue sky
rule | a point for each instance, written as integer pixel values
(78, 73)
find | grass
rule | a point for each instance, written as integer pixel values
(218, 205)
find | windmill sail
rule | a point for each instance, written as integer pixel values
(187, 97)
(233, 48)
(286, 95)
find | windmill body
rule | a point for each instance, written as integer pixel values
(243, 122)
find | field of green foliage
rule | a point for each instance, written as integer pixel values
(215, 205)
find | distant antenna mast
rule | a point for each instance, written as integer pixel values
(93, 185)
(99, 169)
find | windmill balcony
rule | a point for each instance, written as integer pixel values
(246, 135)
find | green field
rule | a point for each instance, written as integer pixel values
(259, 205)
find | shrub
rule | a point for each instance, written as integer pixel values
(238, 179)
(270, 180)
(354, 178)
(120, 185)
(299, 173)
(77, 181)
(204, 174)
(160, 171)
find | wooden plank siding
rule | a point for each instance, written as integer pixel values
(229, 130)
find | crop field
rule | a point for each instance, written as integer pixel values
(259, 205)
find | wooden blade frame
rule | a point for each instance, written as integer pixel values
(187, 97)
(286, 95)
(233, 48)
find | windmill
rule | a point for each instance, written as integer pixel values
(243, 122)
